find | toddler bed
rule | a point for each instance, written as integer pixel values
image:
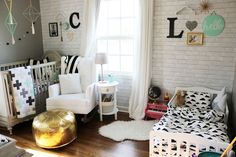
(188, 130)
(42, 75)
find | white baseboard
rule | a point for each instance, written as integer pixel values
(123, 109)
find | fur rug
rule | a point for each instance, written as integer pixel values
(131, 130)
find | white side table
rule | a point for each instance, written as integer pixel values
(107, 98)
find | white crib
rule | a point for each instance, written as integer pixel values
(43, 75)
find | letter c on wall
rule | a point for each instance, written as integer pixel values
(72, 23)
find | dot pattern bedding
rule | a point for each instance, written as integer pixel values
(196, 117)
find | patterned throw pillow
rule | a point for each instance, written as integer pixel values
(201, 100)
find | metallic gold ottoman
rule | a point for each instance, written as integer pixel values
(54, 128)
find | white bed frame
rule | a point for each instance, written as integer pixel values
(41, 82)
(167, 137)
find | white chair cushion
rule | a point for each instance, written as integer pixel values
(76, 103)
(70, 83)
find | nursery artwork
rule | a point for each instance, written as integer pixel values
(53, 29)
(213, 25)
(194, 38)
(10, 21)
(31, 14)
(205, 6)
(191, 25)
(172, 29)
(73, 24)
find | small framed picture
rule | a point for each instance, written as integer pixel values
(195, 38)
(53, 29)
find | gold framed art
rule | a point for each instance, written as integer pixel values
(195, 38)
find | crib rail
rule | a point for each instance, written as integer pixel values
(7, 66)
(43, 75)
(165, 144)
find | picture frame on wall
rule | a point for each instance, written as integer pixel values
(53, 29)
(195, 38)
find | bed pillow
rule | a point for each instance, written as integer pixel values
(70, 83)
(201, 100)
(220, 106)
(218, 97)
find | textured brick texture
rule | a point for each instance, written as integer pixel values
(177, 64)
(174, 63)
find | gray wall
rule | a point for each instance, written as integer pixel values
(233, 107)
(31, 45)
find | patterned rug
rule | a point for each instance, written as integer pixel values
(127, 130)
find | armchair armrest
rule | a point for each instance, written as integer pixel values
(90, 93)
(54, 90)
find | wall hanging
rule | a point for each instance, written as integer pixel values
(191, 25)
(172, 29)
(195, 38)
(61, 19)
(72, 23)
(31, 14)
(205, 6)
(53, 29)
(186, 8)
(10, 21)
(213, 24)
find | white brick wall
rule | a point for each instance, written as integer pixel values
(49, 10)
(176, 64)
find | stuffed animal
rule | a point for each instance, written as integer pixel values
(154, 93)
(180, 98)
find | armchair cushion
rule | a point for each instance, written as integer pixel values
(70, 83)
(80, 103)
(76, 103)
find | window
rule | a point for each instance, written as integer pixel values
(115, 34)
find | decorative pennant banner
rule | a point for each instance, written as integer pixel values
(10, 21)
(31, 14)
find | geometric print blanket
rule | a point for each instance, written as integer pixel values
(22, 91)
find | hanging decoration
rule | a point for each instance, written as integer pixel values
(191, 25)
(205, 6)
(31, 14)
(213, 24)
(10, 21)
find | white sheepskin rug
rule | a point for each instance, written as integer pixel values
(132, 130)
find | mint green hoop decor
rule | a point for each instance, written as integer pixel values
(213, 25)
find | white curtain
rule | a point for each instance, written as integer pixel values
(89, 26)
(142, 60)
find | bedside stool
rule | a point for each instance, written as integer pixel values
(107, 99)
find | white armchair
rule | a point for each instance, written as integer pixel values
(81, 103)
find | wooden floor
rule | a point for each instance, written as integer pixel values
(88, 144)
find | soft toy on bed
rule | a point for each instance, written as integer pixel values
(180, 98)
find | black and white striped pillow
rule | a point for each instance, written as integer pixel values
(37, 62)
(72, 63)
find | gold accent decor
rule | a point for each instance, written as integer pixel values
(55, 128)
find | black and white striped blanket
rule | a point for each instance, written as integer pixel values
(72, 64)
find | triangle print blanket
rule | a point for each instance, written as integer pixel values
(22, 91)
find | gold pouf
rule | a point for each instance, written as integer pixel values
(55, 128)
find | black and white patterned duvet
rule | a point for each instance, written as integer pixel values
(205, 123)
